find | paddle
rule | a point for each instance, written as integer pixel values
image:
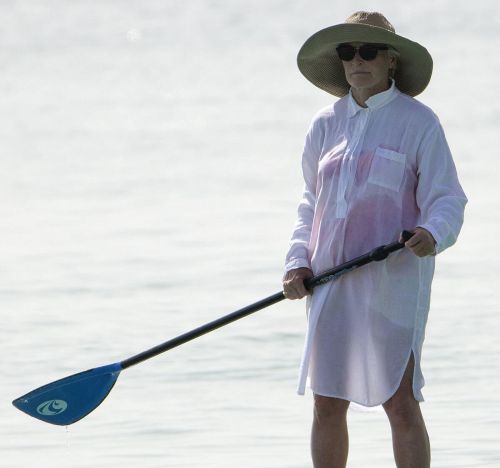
(68, 400)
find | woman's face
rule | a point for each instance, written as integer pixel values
(368, 74)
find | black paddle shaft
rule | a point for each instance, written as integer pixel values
(377, 254)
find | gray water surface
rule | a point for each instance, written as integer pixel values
(150, 172)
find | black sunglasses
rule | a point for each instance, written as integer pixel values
(346, 52)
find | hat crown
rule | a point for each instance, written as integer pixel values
(371, 19)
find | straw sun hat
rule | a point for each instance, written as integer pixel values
(319, 63)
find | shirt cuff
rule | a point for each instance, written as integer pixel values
(297, 263)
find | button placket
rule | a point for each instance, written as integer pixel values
(350, 162)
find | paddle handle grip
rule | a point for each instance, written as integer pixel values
(375, 255)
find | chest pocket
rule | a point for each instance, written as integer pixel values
(387, 169)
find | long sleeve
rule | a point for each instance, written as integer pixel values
(439, 195)
(297, 255)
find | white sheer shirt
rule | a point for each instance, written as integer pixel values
(369, 174)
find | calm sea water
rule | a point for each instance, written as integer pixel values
(150, 171)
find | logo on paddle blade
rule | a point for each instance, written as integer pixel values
(51, 407)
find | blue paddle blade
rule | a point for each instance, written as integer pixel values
(68, 400)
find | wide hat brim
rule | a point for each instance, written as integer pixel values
(319, 63)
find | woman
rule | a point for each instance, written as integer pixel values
(375, 163)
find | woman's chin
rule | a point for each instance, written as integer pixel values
(361, 81)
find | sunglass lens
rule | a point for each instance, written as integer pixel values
(368, 52)
(346, 52)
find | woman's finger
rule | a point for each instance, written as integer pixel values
(295, 289)
(301, 289)
(413, 240)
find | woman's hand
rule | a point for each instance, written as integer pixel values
(293, 283)
(421, 243)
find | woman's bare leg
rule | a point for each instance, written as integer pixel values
(329, 438)
(409, 435)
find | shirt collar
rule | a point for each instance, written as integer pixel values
(373, 102)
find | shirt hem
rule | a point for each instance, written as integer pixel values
(416, 394)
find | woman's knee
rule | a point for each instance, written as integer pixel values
(403, 410)
(329, 408)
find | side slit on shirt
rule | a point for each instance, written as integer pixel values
(408, 362)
